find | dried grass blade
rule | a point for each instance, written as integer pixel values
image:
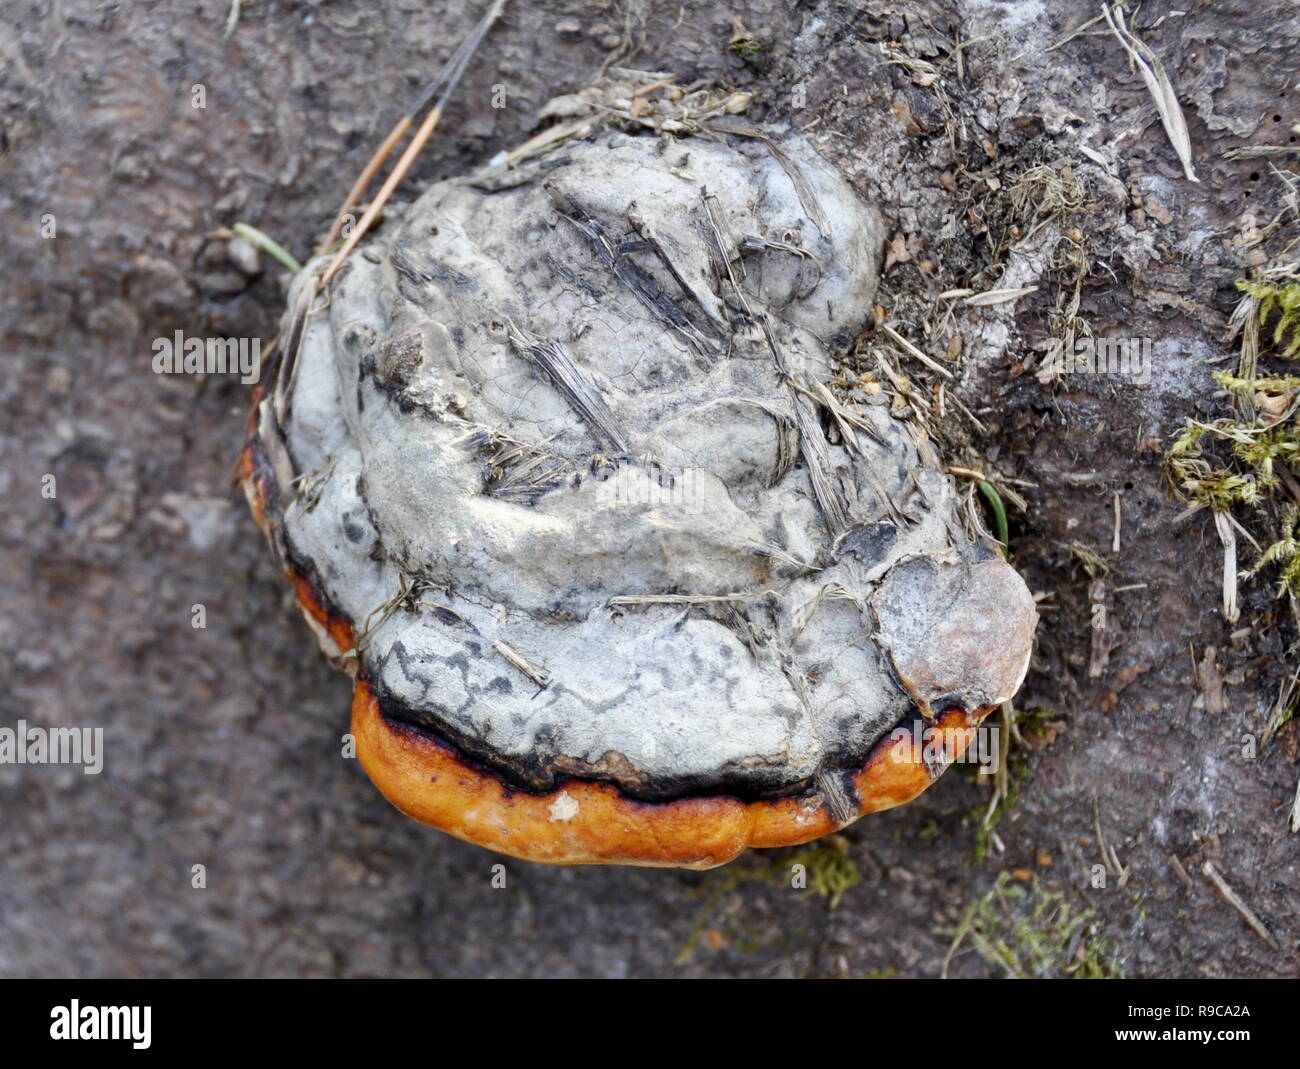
(1158, 85)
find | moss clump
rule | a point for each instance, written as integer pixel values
(1202, 478)
(745, 47)
(1284, 554)
(1244, 462)
(1038, 721)
(743, 43)
(1285, 300)
(1248, 474)
(1029, 931)
(830, 872)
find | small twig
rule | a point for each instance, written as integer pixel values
(1254, 152)
(1235, 901)
(364, 179)
(442, 87)
(975, 422)
(517, 659)
(1108, 855)
(687, 599)
(912, 350)
(232, 19)
(999, 296)
(1078, 32)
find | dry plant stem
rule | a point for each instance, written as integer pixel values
(1236, 902)
(422, 135)
(441, 88)
(1108, 856)
(1282, 708)
(366, 176)
(929, 362)
(232, 19)
(1008, 721)
(1158, 85)
(1229, 539)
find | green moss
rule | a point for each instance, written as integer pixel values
(1265, 383)
(1029, 931)
(1210, 478)
(1241, 462)
(1036, 721)
(1284, 554)
(1285, 300)
(828, 872)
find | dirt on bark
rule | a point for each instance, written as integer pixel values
(1140, 761)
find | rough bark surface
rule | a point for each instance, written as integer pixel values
(223, 743)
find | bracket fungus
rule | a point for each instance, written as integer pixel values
(557, 473)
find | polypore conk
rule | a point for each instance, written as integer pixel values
(558, 471)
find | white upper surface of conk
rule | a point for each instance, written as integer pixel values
(414, 355)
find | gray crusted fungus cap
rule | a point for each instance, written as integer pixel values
(559, 475)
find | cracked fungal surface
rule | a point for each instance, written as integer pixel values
(569, 463)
